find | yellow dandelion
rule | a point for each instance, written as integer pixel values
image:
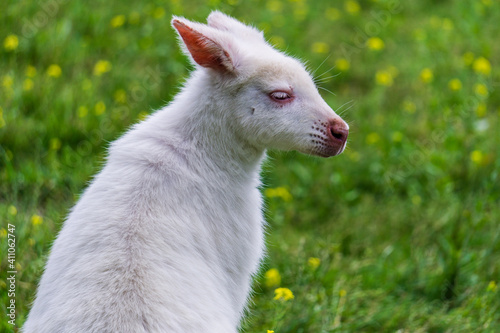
(384, 78)
(342, 64)
(99, 108)
(313, 262)
(30, 71)
(426, 75)
(397, 136)
(481, 110)
(477, 157)
(279, 192)
(82, 111)
(7, 81)
(352, 7)
(36, 219)
(283, 294)
(54, 71)
(455, 84)
(468, 58)
(101, 67)
(481, 89)
(270, 331)
(375, 43)
(320, 47)
(482, 66)
(372, 138)
(120, 96)
(55, 144)
(342, 293)
(159, 12)
(12, 210)
(272, 278)
(117, 21)
(492, 286)
(3, 233)
(11, 42)
(333, 14)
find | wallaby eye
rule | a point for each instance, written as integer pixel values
(280, 96)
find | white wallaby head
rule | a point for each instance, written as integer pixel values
(270, 97)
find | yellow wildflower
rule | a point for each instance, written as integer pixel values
(482, 66)
(455, 84)
(375, 43)
(3, 233)
(30, 71)
(11, 42)
(117, 21)
(278, 192)
(492, 286)
(27, 84)
(342, 293)
(342, 64)
(372, 138)
(36, 219)
(481, 110)
(481, 89)
(101, 67)
(272, 278)
(54, 70)
(352, 7)
(99, 108)
(313, 262)
(270, 331)
(12, 210)
(284, 294)
(426, 75)
(320, 47)
(477, 157)
(333, 14)
(384, 78)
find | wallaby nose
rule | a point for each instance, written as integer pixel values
(338, 130)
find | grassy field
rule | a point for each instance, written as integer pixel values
(401, 233)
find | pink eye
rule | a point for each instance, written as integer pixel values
(280, 96)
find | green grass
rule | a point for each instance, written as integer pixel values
(405, 222)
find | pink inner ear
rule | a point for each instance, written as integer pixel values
(204, 50)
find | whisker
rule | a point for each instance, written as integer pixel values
(323, 88)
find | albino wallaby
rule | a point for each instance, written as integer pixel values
(167, 236)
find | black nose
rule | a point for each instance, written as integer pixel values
(339, 131)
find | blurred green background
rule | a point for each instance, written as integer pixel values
(398, 234)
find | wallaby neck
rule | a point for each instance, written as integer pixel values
(204, 118)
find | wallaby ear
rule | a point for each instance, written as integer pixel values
(204, 50)
(224, 22)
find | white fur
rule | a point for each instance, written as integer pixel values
(168, 234)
